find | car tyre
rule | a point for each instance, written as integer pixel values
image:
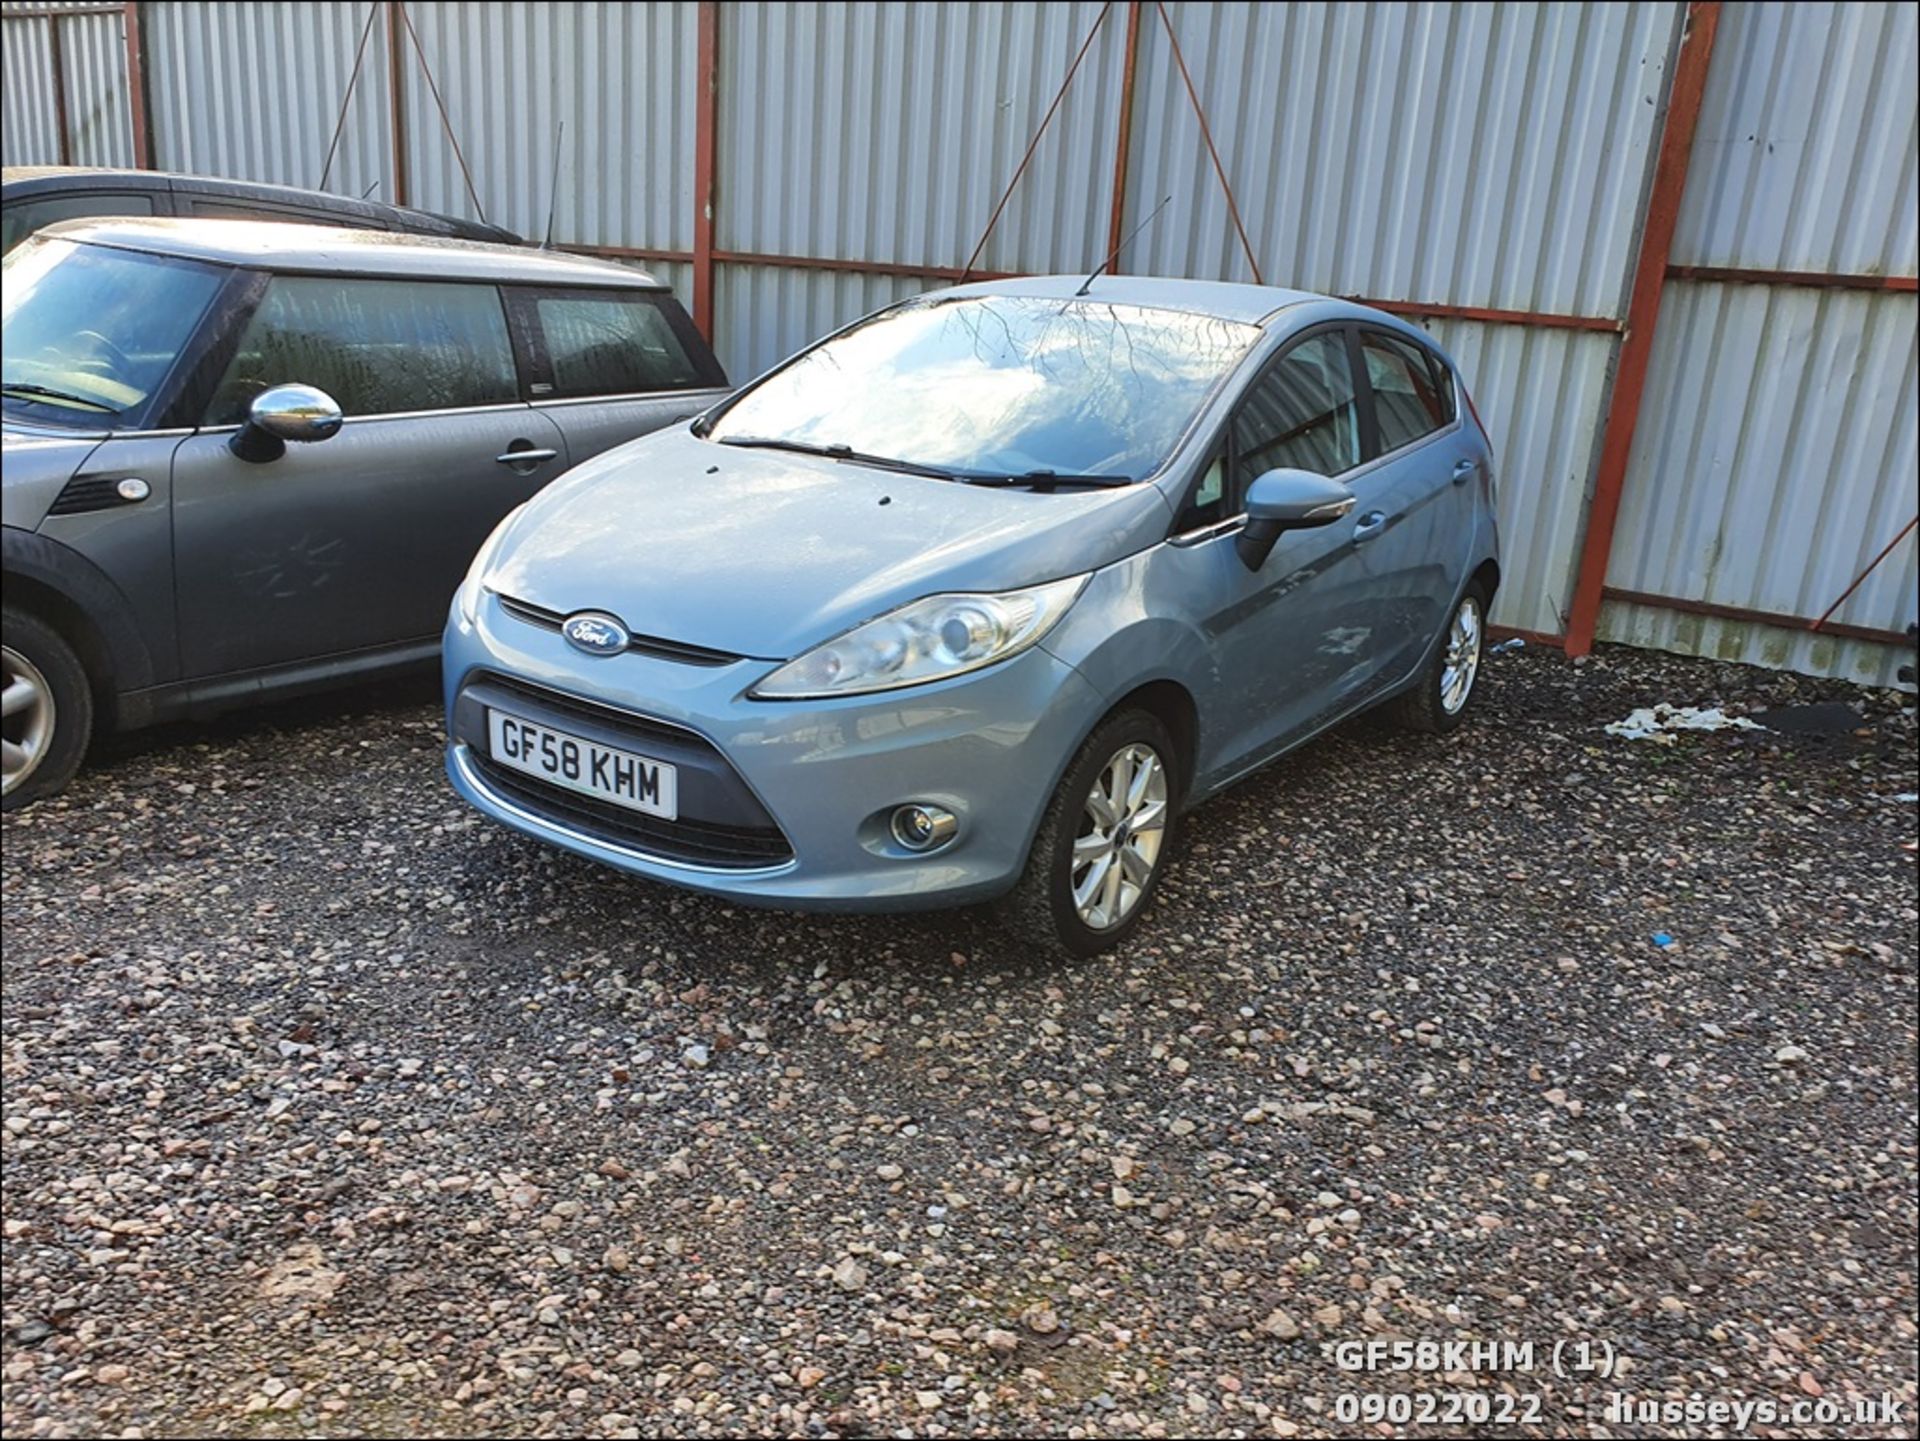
(1067, 902)
(48, 709)
(1440, 701)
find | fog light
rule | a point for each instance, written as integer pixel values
(924, 828)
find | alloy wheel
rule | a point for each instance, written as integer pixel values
(1122, 828)
(1462, 662)
(26, 718)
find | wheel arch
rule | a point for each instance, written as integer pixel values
(1487, 576)
(71, 594)
(1173, 705)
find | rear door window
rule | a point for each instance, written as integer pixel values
(378, 347)
(1409, 400)
(613, 343)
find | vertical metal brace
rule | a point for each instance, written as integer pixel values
(1643, 311)
(1123, 144)
(396, 103)
(705, 103)
(57, 57)
(138, 119)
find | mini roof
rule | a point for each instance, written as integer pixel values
(333, 250)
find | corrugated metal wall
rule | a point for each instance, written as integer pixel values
(254, 90)
(1360, 172)
(1454, 155)
(1776, 454)
(99, 128)
(1805, 158)
(618, 78)
(30, 135)
(887, 132)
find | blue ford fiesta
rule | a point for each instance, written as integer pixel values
(973, 598)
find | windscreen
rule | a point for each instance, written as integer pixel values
(91, 332)
(1001, 385)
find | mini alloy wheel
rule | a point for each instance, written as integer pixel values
(27, 715)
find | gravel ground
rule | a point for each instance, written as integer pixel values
(330, 1108)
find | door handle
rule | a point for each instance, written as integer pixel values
(1463, 470)
(528, 456)
(1370, 526)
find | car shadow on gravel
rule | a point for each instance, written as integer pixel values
(376, 704)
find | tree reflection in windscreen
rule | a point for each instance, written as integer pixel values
(1002, 385)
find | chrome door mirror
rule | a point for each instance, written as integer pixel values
(1282, 500)
(298, 413)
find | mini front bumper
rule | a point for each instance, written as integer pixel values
(989, 747)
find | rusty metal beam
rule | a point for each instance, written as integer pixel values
(1531, 637)
(1413, 308)
(57, 58)
(705, 107)
(1643, 311)
(137, 115)
(861, 267)
(1716, 611)
(1123, 142)
(1420, 310)
(627, 252)
(396, 102)
(1818, 279)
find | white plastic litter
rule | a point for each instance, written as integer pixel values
(1662, 723)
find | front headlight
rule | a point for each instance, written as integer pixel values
(467, 599)
(928, 640)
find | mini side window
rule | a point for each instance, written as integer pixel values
(612, 344)
(378, 347)
(1407, 397)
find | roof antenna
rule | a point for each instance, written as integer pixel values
(1121, 246)
(553, 191)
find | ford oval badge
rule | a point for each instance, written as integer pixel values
(595, 632)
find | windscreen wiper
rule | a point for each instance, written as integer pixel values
(47, 392)
(836, 452)
(1051, 479)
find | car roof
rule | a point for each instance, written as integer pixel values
(1250, 304)
(292, 247)
(21, 182)
(16, 174)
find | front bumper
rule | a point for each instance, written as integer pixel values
(815, 781)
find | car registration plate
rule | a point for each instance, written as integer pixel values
(592, 769)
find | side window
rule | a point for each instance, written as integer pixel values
(23, 217)
(1443, 384)
(1207, 505)
(612, 343)
(376, 346)
(1301, 414)
(1407, 398)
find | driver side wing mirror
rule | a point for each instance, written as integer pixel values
(285, 413)
(1283, 500)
